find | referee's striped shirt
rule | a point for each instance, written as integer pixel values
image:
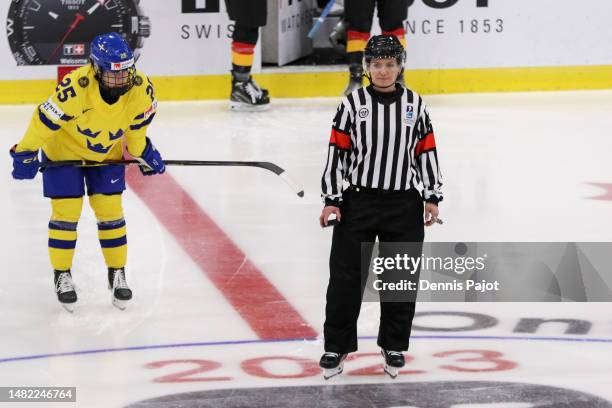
(382, 141)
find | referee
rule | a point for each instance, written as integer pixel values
(382, 146)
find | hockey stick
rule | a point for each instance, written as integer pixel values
(320, 20)
(279, 171)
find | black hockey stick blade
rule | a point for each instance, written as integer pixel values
(279, 171)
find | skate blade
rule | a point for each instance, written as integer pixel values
(391, 371)
(69, 307)
(120, 304)
(332, 372)
(245, 107)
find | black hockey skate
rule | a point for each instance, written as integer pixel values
(117, 284)
(332, 364)
(248, 96)
(355, 79)
(394, 360)
(64, 288)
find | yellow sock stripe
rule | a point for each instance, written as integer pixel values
(113, 233)
(63, 235)
(355, 45)
(244, 60)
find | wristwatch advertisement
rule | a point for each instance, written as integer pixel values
(59, 32)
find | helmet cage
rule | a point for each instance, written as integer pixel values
(115, 82)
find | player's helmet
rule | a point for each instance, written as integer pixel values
(384, 46)
(113, 62)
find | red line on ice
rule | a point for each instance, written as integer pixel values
(263, 307)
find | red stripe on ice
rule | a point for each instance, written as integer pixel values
(259, 303)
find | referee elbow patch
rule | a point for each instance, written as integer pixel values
(340, 139)
(426, 144)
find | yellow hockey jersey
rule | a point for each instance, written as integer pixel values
(75, 123)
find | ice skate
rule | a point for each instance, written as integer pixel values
(120, 290)
(64, 288)
(332, 364)
(394, 360)
(248, 96)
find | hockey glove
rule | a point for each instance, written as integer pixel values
(25, 164)
(151, 161)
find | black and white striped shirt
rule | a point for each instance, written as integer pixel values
(382, 141)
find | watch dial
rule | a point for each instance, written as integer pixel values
(59, 32)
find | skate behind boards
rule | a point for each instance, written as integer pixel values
(248, 96)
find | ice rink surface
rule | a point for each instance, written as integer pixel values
(229, 267)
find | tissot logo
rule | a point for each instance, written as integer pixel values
(73, 2)
(200, 6)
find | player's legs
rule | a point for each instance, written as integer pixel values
(248, 15)
(244, 41)
(62, 241)
(63, 231)
(111, 228)
(104, 187)
(358, 14)
(391, 16)
(65, 187)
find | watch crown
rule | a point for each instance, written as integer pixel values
(144, 26)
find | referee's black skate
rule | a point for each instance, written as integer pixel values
(247, 95)
(332, 364)
(64, 288)
(394, 360)
(117, 284)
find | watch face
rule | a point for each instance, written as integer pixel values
(59, 32)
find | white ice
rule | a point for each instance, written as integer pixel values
(516, 167)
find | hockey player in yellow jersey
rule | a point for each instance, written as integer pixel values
(91, 112)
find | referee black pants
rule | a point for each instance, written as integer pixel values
(392, 217)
